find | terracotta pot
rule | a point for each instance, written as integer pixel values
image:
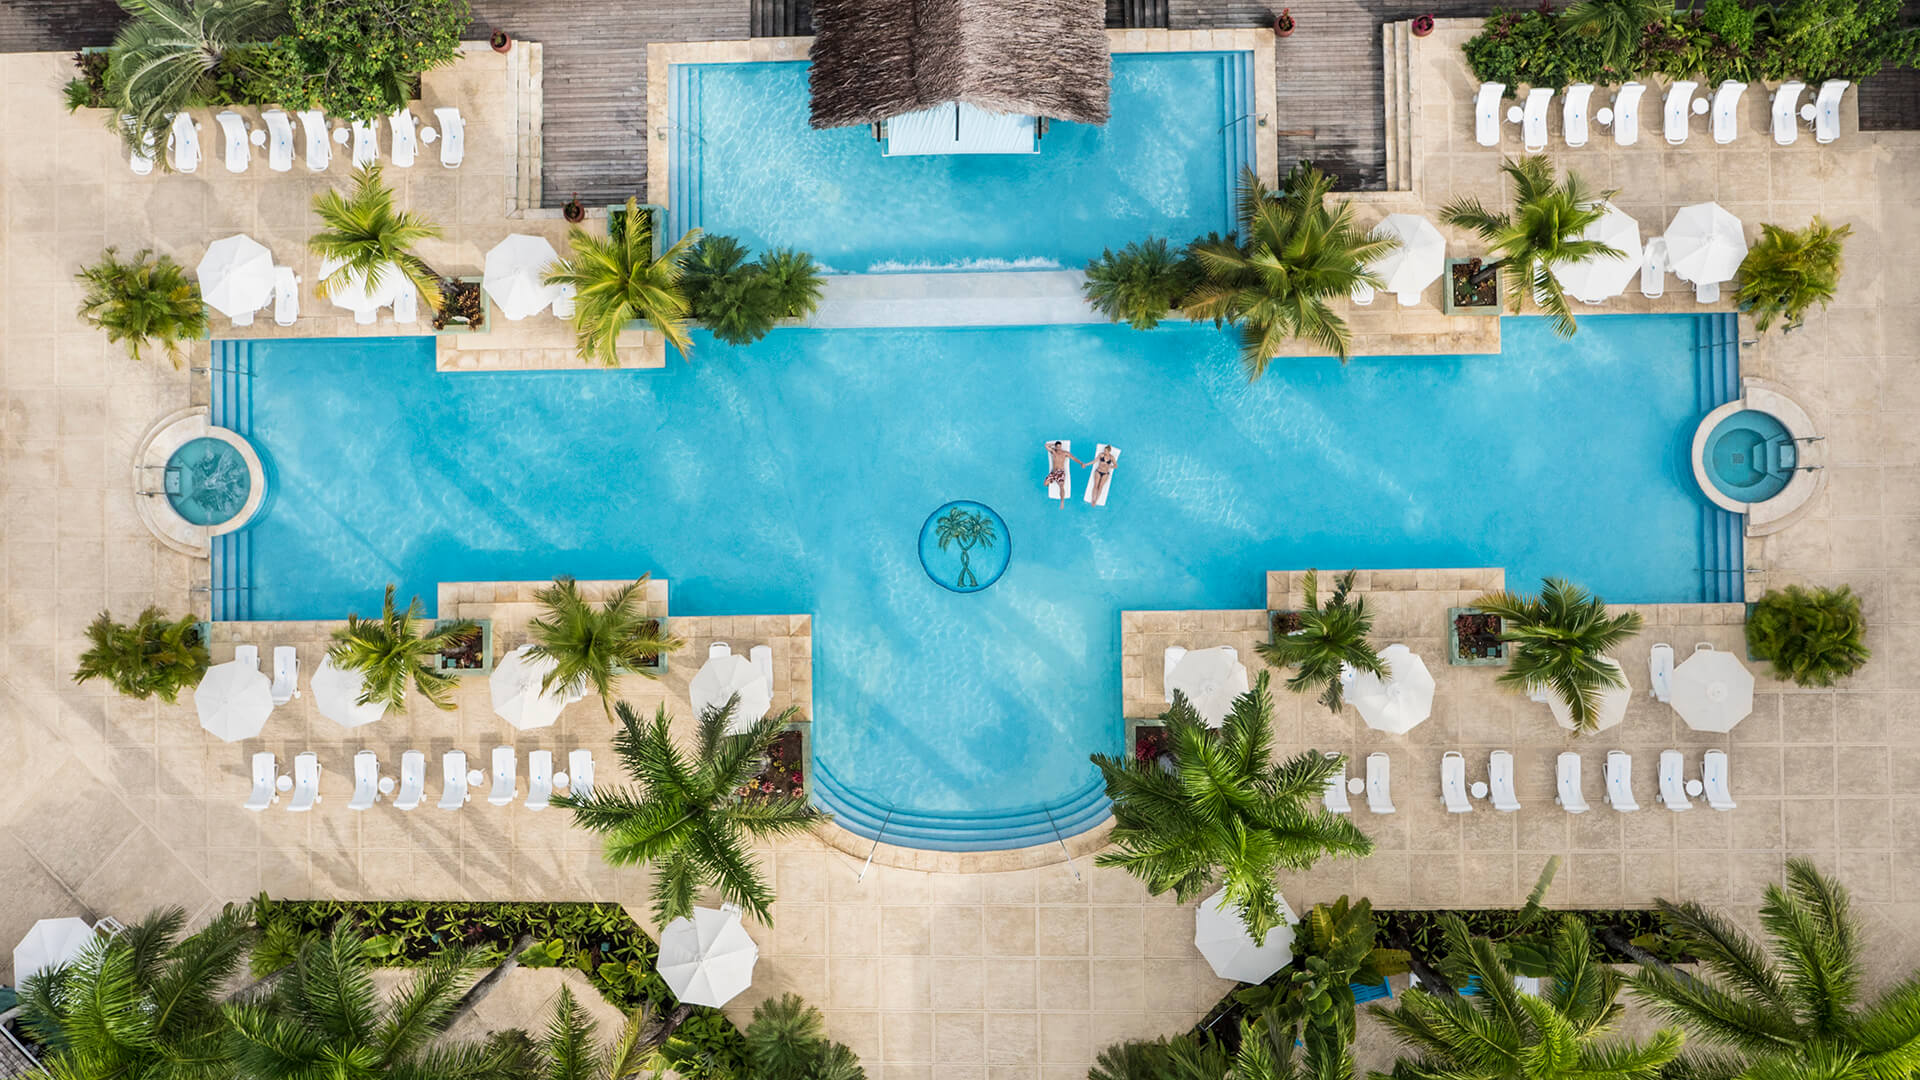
(1283, 23)
(1422, 25)
(573, 211)
(501, 41)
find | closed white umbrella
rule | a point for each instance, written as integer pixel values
(1210, 679)
(1399, 703)
(233, 700)
(1221, 936)
(236, 275)
(357, 294)
(515, 276)
(1712, 690)
(720, 678)
(336, 693)
(49, 944)
(1613, 703)
(1605, 276)
(1705, 244)
(1418, 260)
(516, 688)
(707, 959)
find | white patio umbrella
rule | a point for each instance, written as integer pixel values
(1210, 679)
(1417, 262)
(1222, 938)
(1606, 276)
(1398, 704)
(336, 693)
(720, 678)
(517, 697)
(515, 275)
(49, 944)
(357, 294)
(707, 959)
(236, 275)
(1705, 243)
(1712, 690)
(1613, 703)
(233, 700)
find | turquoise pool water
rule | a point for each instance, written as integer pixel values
(796, 476)
(745, 162)
(1750, 456)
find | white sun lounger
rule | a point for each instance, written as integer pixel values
(1379, 782)
(286, 674)
(1626, 113)
(1786, 112)
(1533, 122)
(1361, 294)
(366, 781)
(1573, 114)
(580, 772)
(1486, 113)
(279, 139)
(762, 658)
(566, 303)
(233, 130)
(319, 145)
(1673, 781)
(1335, 795)
(539, 779)
(248, 655)
(286, 296)
(413, 780)
(1098, 449)
(1062, 488)
(1706, 292)
(453, 136)
(1660, 672)
(406, 302)
(1620, 782)
(1826, 110)
(405, 143)
(1679, 110)
(306, 782)
(1453, 782)
(1726, 111)
(1567, 785)
(506, 773)
(184, 140)
(1713, 775)
(141, 160)
(264, 779)
(719, 648)
(453, 780)
(1500, 781)
(1653, 269)
(366, 142)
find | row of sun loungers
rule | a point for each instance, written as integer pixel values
(1623, 114)
(410, 790)
(276, 133)
(1456, 794)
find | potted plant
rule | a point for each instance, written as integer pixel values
(1422, 25)
(1473, 288)
(471, 654)
(1473, 638)
(1283, 23)
(463, 307)
(1147, 739)
(1813, 636)
(500, 40)
(784, 768)
(574, 211)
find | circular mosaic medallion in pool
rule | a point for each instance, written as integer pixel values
(208, 481)
(964, 546)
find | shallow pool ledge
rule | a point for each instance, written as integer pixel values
(954, 299)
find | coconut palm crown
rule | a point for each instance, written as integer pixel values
(166, 53)
(1543, 229)
(371, 238)
(592, 646)
(390, 651)
(1789, 271)
(1330, 636)
(618, 280)
(1560, 641)
(567, 1050)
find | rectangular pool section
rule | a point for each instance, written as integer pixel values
(795, 477)
(745, 162)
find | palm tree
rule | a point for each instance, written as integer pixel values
(618, 280)
(594, 646)
(1335, 948)
(731, 297)
(1499, 1033)
(1791, 270)
(390, 651)
(1543, 230)
(1560, 642)
(1788, 1007)
(1265, 1052)
(1225, 810)
(1329, 636)
(371, 239)
(1290, 257)
(683, 818)
(324, 1018)
(145, 299)
(155, 655)
(167, 52)
(568, 1051)
(969, 529)
(1615, 26)
(143, 1005)
(1140, 284)
(796, 281)
(787, 1040)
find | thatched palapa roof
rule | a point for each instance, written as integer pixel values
(873, 59)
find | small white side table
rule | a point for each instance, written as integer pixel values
(560, 780)
(258, 137)
(1356, 785)
(340, 136)
(283, 782)
(1695, 787)
(1700, 106)
(1514, 113)
(1604, 117)
(475, 778)
(386, 785)
(1808, 112)
(1478, 788)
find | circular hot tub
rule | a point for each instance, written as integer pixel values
(207, 481)
(1750, 455)
(1759, 455)
(194, 480)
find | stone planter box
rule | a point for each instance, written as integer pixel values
(795, 748)
(1454, 657)
(656, 669)
(479, 661)
(1446, 294)
(1278, 619)
(486, 318)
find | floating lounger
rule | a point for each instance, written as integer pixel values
(1062, 488)
(1098, 449)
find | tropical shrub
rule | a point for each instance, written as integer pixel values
(391, 651)
(1225, 811)
(1140, 284)
(1543, 229)
(787, 1040)
(592, 646)
(618, 280)
(741, 301)
(1334, 949)
(1789, 271)
(1613, 26)
(1816, 40)
(1560, 641)
(371, 238)
(166, 55)
(1330, 635)
(155, 656)
(359, 59)
(1816, 637)
(147, 299)
(1531, 48)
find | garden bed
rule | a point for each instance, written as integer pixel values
(1473, 638)
(474, 655)
(1282, 623)
(1463, 296)
(786, 771)
(463, 308)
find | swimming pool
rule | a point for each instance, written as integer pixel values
(746, 163)
(796, 477)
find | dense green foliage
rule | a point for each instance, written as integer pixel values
(1335, 946)
(372, 238)
(1559, 641)
(787, 1040)
(592, 646)
(618, 280)
(153, 656)
(1330, 635)
(1790, 270)
(360, 59)
(147, 299)
(1225, 811)
(390, 651)
(172, 55)
(1816, 637)
(742, 301)
(1542, 230)
(1612, 26)
(1141, 283)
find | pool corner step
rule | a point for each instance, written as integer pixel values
(1019, 827)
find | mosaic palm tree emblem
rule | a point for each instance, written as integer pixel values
(964, 546)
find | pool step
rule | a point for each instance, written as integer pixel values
(779, 18)
(1716, 348)
(1017, 827)
(1240, 125)
(683, 177)
(1138, 15)
(231, 563)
